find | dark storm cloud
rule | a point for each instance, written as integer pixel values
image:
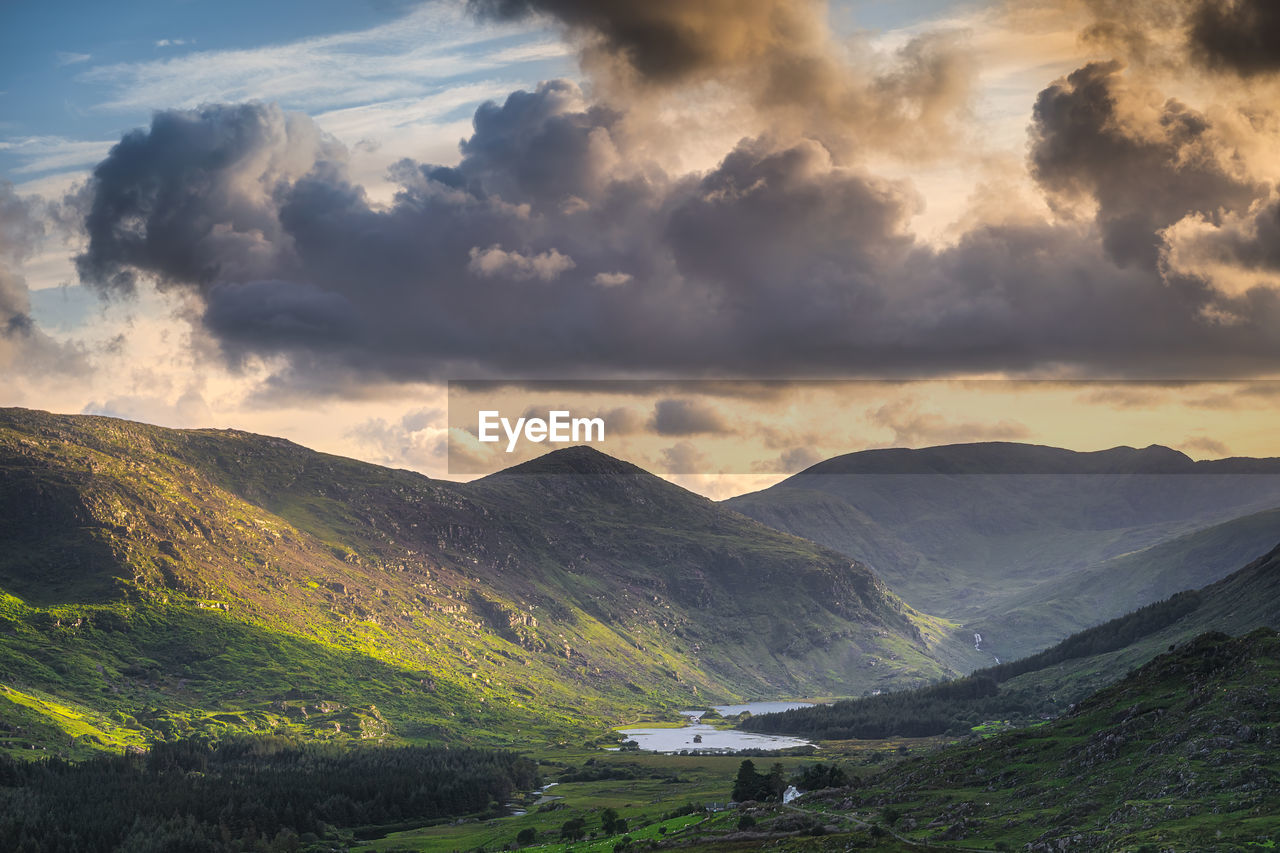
(668, 40)
(1240, 37)
(777, 262)
(287, 313)
(779, 55)
(249, 208)
(687, 417)
(1237, 35)
(192, 199)
(1143, 176)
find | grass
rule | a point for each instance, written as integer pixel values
(1175, 755)
(669, 783)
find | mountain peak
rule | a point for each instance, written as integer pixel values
(579, 459)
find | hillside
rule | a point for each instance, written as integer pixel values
(1047, 683)
(1059, 608)
(164, 581)
(976, 530)
(1178, 755)
(1245, 600)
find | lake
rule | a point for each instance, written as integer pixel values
(713, 739)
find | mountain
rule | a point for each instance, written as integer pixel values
(1045, 684)
(162, 582)
(1177, 755)
(1241, 602)
(1061, 607)
(973, 531)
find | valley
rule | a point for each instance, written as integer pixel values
(219, 576)
(206, 595)
(1025, 544)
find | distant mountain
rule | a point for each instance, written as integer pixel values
(1241, 602)
(169, 581)
(1048, 682)
(971, 531)
(1054, 610)
(1177, 755)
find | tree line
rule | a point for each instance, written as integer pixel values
(264, 793)
(751, 784)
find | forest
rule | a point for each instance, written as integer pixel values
(259, 793)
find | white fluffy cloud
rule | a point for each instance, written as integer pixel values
(496, 262)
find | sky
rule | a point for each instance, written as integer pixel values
(1053, 221)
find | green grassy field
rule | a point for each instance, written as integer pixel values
(669, 784)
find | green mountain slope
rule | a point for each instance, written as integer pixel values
(1178, 755)
(1047, 683)
(1241, 602)
(157, 573)
(1056, 609)
(973, 530)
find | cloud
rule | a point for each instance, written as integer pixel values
(912, 427)
(24, 348)
(779, 261)
(687, 417)
(1238, 252)
(404, 58)
(192, 200)
(780, 56)
(419, 439)
(173, 42)
(1202, 447)
(189, 410)
(65, 58)
(494, 262)
(612, 279)
(1143, 249)
(19, 233)
(1237, 35)
(668, 41)
(50, 153)
(682, 458)
(1125, 396)
(792, 461)
(1144, 172)
(623, 420)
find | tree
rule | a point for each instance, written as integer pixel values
(815, 777)
(526, 836)
(749, 784)
(573, 830)
(776, 782)
(609, 821)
